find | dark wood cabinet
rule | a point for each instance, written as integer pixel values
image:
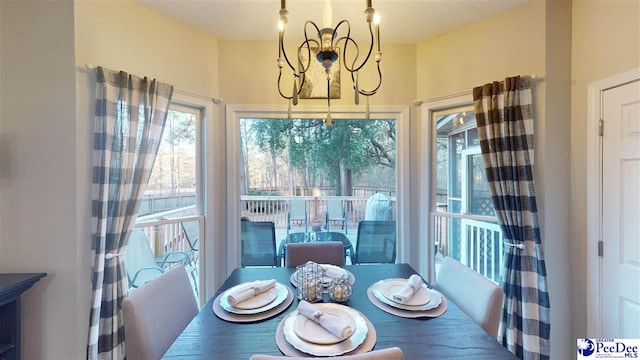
(11, 287)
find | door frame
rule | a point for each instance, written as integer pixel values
(594, 195)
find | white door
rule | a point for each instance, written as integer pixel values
(620, 306)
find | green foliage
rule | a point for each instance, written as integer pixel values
(316, 151)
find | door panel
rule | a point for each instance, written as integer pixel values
(621, 212)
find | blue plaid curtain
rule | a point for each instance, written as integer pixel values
(130, 113)
(505, 128)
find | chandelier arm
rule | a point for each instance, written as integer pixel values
(375, 90)
(279, 90)
(347, 39)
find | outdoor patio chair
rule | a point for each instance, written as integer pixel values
(258, 243)
(142, 266)
(156, 313)
(376, 242)
(297, 212)
(191, 231)
(335, 212)
(477, 296)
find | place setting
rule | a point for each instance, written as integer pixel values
(410, 298)
(324, 329)
(253, 301)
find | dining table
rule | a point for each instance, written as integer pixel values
(451, 335)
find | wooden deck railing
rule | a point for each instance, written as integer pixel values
(276, 208)
(476, 243)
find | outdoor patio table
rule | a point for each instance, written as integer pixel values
(453, 335)
(320, 236)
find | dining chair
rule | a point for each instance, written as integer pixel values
(156, 313)
(376, 242)
(330, 252)
(258, 243)
(335, 212)
(142, 266)
(477, 296)
(394, 353)
(297, 212)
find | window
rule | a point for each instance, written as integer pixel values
(283, 161)
(465, 226)
(170, 212)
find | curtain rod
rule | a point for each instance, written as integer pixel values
(92, 67)
(420, 102)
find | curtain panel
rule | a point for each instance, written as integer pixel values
(130, 113)
(505, 128)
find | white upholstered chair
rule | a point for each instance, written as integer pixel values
(477, 296)
(330, 252)
(156, 313)
(393, 353)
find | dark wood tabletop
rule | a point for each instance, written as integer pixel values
(454, 335)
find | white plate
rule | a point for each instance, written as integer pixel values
(312, 332)
(390, 287)
(435, 298)
(357, 338)
(280, 290)
(257, 301)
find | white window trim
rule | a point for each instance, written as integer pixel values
(427, 186)
(205, 187)
(235, 112)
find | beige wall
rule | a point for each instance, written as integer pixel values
(111, 34)
(457, 61)
(249, 74)
(605, 42)
(38, 198)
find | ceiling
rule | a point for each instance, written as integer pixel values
(402, 21)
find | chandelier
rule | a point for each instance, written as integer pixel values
(328, 48)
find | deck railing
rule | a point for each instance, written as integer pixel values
(276, 208)
(475, 243)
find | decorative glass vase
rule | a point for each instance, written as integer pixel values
(340, 290)
(309, 279)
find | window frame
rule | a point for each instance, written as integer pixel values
(235, 112)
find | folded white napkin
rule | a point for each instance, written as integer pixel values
(243, 293)
(406, 292)
(334, 323)
(334, 272)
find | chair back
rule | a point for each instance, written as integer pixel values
(258, 243)
(335, 212)
(139, 261)
(298, 210)
(393, 353)
(191, 231)
(330, 252)
(156, 313)
(477, 296)
(376, 242)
